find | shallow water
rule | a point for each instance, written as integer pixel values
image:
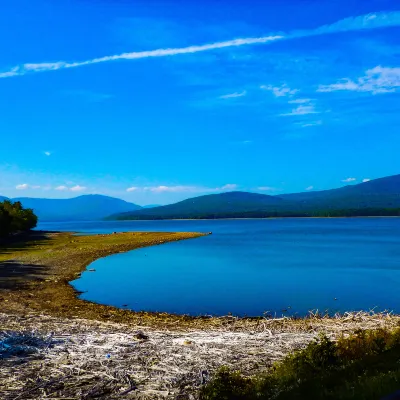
(248, 267)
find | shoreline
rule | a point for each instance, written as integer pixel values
(36, 271)
(238, 219)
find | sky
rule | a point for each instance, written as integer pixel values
(157, 101)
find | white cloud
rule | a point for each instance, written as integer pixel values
(11, 73)
(233, 95)
(23, 186)
(302, 110)
(132, 189)
(229, 186)
(361, 22)
(78, 188)
(173, 189)
(314, 123)
(188, 189)
(62, 188)
(376, 80)
(280, 91)
(366, 180)
(266, 188)
(40, 67)
(349, 180)
(299, 101)
(47, 153)
(310, 188)
(369, 21)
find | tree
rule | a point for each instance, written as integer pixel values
(14, 218)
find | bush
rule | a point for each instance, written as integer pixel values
(363, 366)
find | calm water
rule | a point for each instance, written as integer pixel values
(248, 267)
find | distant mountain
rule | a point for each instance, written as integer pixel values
(87, 207)
(377, 193)
(376, 197)
(2, 198)
(208, 206)
(151, 206)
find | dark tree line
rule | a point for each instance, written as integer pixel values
(14, 218)
(351, 212)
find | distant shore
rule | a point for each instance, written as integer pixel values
(247, 218)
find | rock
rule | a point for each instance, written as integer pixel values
(140, 336)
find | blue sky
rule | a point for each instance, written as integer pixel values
(159, 101)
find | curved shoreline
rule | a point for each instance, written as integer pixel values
(36, 271)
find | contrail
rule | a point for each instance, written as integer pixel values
(369, 21)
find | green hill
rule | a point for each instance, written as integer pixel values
(377, 197)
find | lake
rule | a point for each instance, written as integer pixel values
(249, 267)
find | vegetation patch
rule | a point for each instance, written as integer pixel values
(14, 218)
(364, 365)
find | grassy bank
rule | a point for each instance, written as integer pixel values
(35, 271)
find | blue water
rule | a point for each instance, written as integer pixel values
(248, 267)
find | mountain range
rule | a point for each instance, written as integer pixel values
(86, 207)
(376, 197)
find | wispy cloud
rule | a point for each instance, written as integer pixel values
(313, 123)
(171, 189)
(40, 67)
(47, 153)
(302, 110)
(366, 180)
(280, 91)
(78, 188)
(369, 21)
(22, 186)
(62, 188)
(25, 186)
(310, 188)
(267, 188)
(376, 80)
(299, 101)
(233, 95)
(349, 180)
(229, 186)
(183, 188)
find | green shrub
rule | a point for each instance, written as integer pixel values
(365, 365)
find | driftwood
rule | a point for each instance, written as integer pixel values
(50, 358)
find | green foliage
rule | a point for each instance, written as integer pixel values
(362, 366)
(14, 218)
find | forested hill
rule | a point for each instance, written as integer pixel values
(376, 197)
